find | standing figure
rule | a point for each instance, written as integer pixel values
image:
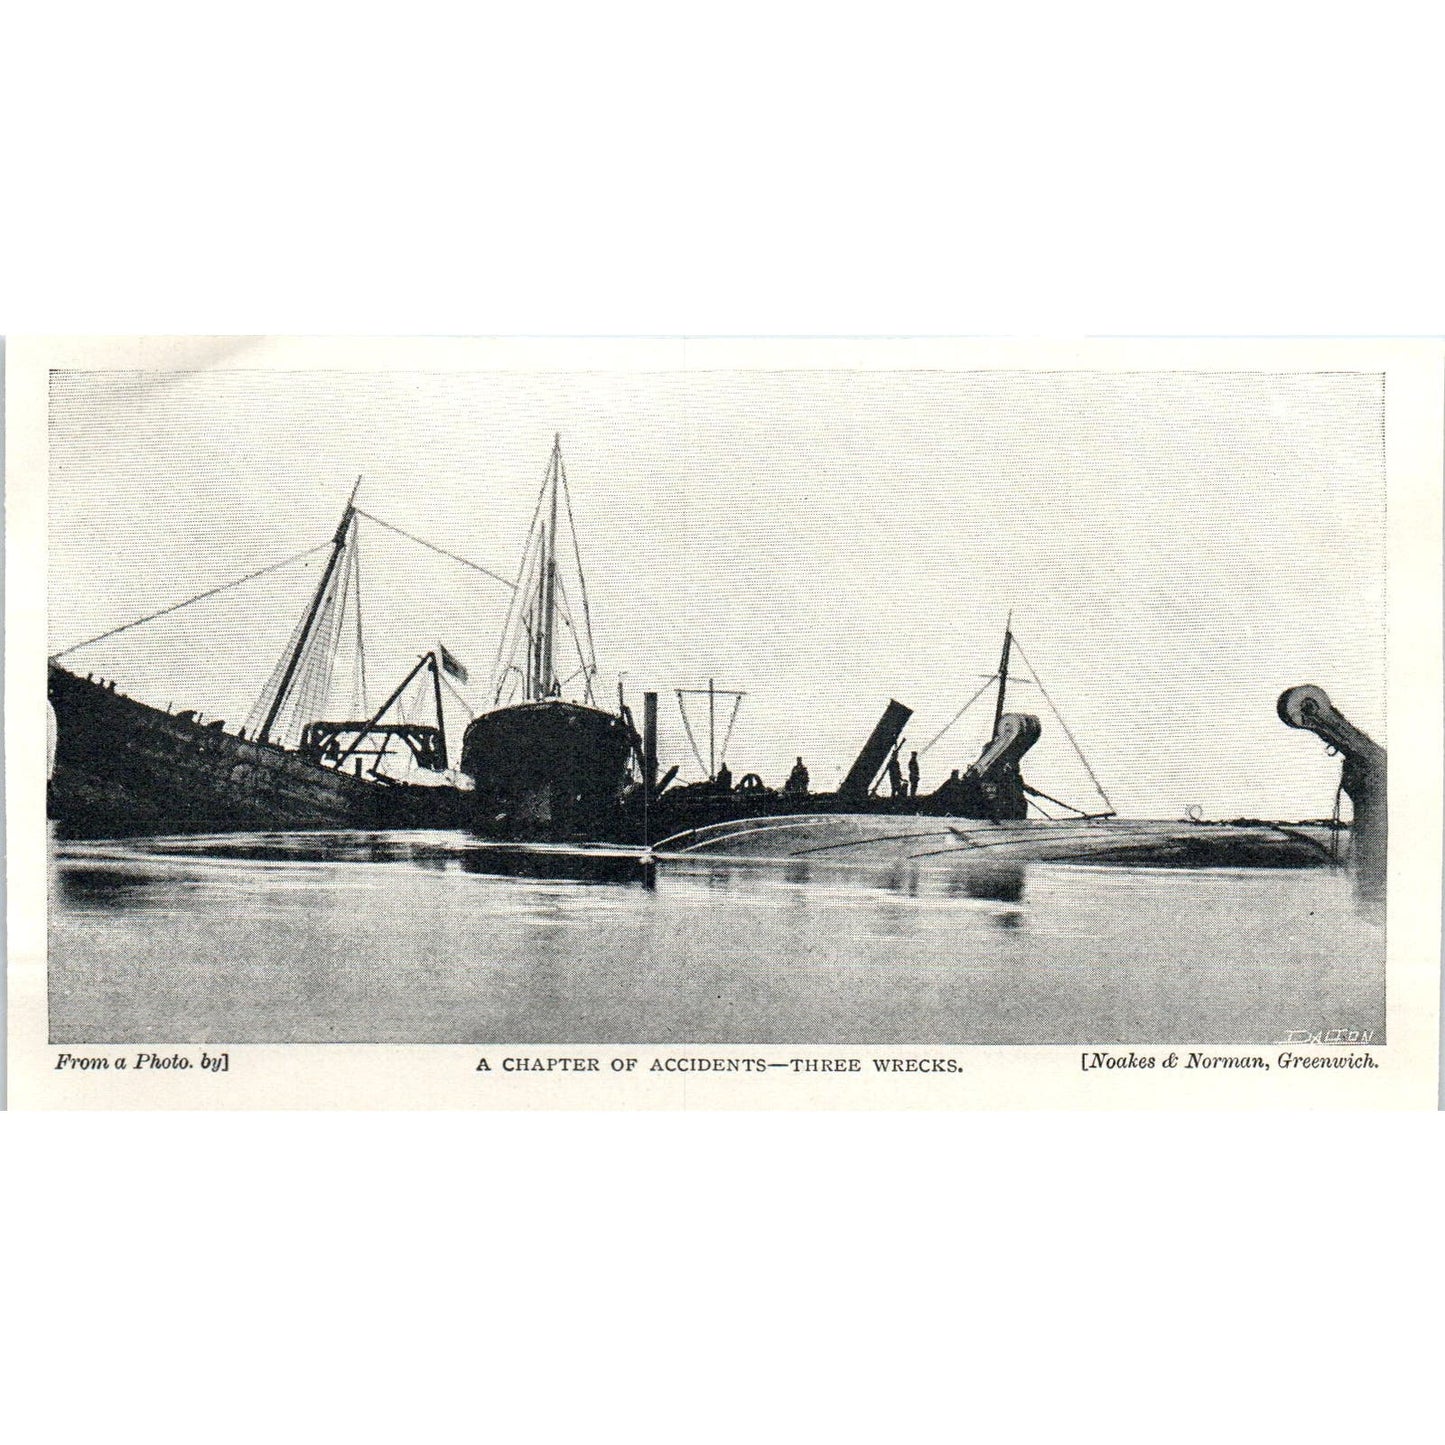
(912, 775)
(895, 777)
(797, 779)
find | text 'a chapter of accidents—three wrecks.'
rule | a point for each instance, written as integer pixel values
(706, 1064)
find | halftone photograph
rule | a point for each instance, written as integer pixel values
(717, 708)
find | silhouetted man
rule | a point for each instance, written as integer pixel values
(895, 777)
(912, 775)
(797, 779)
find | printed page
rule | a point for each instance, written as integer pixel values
(698, 724)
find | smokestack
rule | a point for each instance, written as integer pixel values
(868, 763)
(649, 741)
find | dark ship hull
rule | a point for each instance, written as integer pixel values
(970, 846)
(548, 769)
(701, 805)
(121, 766)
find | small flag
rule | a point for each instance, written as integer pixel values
(451, 665)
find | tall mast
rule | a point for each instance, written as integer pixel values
(436, 684)
(338, 546)
(1008, 638)
(549, 574)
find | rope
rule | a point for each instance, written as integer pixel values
(585, 669)
(311, 683)
(517, 621)
(514, 612)
(262, 706)
(581, 575)
(883, 773)
(447, 684)
(1053, 707)
(360, 635)
(1057, 802)
(176, 606)
(723, 754)
(432, 547)
(957, 715)
(692, 742)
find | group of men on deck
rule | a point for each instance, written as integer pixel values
(896, 784)
(797, 781)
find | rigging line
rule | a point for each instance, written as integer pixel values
(360, 635)
(447, 684)
(992, 678)
(577, 552)
(737, 703)
(339, 624)
(692, 741)
(261, 708)
(199, 597)
(564, 611)
(585, 668)
(533, 535)
(1053, 707)
(1057, 802)
(336, 626)
(312, 697)
(312, 678)
(516, 612)
(432, 547)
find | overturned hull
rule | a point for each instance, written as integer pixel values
(123, 766)
(548, 770)
(868, 839)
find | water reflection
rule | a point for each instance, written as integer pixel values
(578, 866)
(116, 889)
(438, 937)
(990, 882)
(98, 869)
(996, 883)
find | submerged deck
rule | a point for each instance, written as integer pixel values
(951, 842)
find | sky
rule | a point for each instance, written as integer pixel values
(1176, 548)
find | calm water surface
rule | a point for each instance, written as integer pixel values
(437, 938)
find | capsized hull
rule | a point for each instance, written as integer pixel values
(549, 769)
(699, 806)
(861, 839)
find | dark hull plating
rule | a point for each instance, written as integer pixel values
(547, 770)
(124, 766)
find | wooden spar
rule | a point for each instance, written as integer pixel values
(381, 712)
(549, 578)
(1008, 638)
(338, 545)
(712, 692)
(436, 684)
